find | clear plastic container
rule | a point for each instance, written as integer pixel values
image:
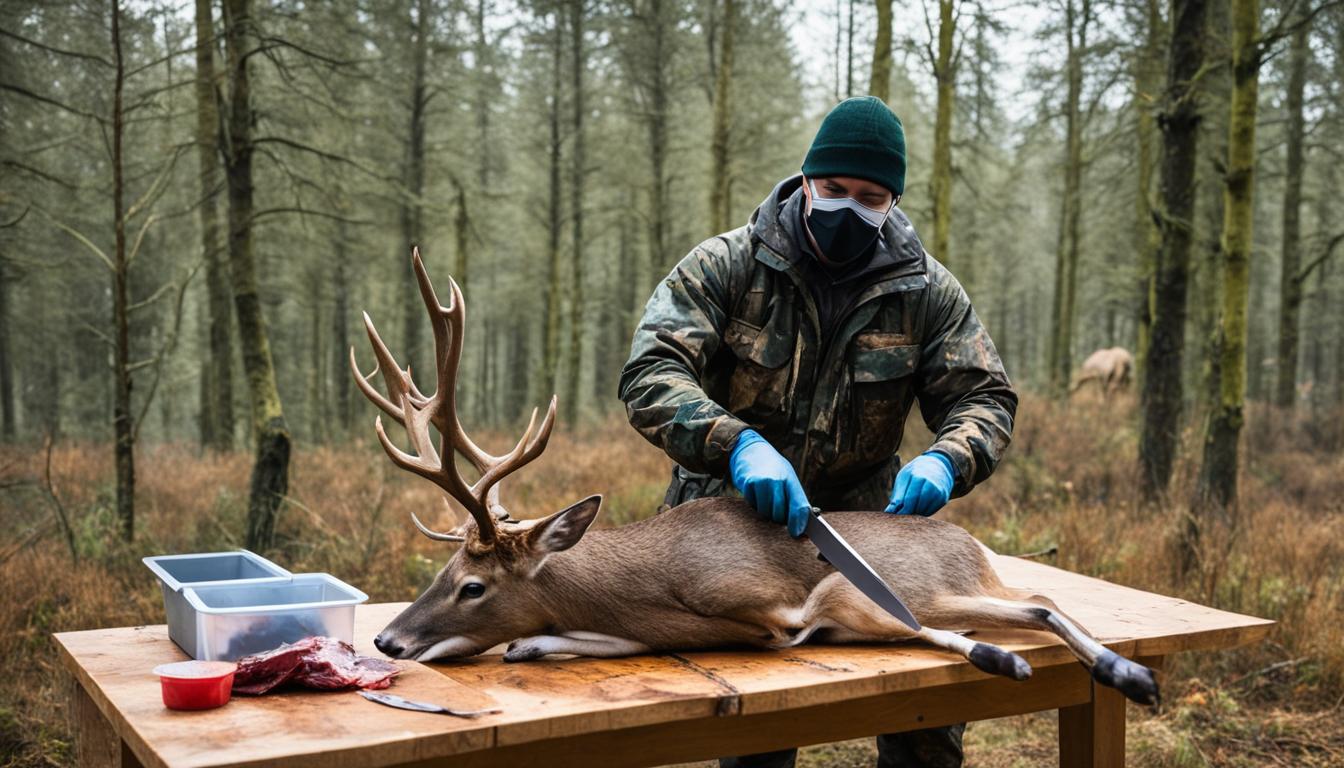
(178, 572)
(234, 620)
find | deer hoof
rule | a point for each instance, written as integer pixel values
(1135, 681)
(996, 661)
(524, 649)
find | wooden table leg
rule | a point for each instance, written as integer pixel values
(96, 744)
(1092, 735)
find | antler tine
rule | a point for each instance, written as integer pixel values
(544, 433)
(529, 447)
(435, 472)
(454, 318)
(435, 535)
(446, 323)
(401, 386)
(374, 395)
(395, 379)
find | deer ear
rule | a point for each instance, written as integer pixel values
(563, 529)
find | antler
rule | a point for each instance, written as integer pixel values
(415, 412)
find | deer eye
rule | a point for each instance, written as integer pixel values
(472, 589)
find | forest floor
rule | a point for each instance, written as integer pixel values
(1068, 483)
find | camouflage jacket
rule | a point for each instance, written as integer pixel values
(731, 339)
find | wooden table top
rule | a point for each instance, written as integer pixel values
(571, 696)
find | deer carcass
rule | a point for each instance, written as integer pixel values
(704, 574)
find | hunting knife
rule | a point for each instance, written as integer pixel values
(420, 706)
(840, 554)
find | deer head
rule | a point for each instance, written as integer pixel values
(486, 593)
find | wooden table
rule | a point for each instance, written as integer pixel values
(644, 710)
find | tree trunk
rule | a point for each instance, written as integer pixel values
(483, 405)
(839, 39)
(1147, 82)
(944, 72)
(1218, 474)
(412, 205)
(122, 426)
(340, 338)
(217, 387)
(270, 469)
(1066, 260)
(849, 53)
(720, 160)
(657, 132)
(8, 427)
(315, 407)
(577, 307)
(1180, 141)
(879, 84)
(1290, 282)
(1206, 278)
(462, 272)
(551, 348)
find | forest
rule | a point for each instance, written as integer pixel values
(199, 199)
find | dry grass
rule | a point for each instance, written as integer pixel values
(1068, 483)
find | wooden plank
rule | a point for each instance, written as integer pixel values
(96, 744)
(1092, 734)
(1159, 624)
(1059, 686)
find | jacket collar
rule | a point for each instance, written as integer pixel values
(782, 251)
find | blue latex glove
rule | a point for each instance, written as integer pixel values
(767, 481)
(923, 486)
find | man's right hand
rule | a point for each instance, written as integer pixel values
(767, 481)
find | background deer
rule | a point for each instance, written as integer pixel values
(705, 573)
(1110, 368)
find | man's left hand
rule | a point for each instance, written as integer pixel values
(923, 486)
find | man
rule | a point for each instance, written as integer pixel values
(781, 359)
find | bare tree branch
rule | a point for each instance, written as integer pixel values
(86, 242)
(169, 343)
(270, 43)
(53, 49)
(139, 239)
(38, 172)
(98, 332)
(1326, 253)
(310, 212)
(20, 90)
(322, 154)
(17, 219)
(156, 188)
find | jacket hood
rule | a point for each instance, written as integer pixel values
(898, 246)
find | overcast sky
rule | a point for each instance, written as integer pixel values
(813, 32)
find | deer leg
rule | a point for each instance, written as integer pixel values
(986, 657)
(847, 615)
(1037, 612)
(578, 642)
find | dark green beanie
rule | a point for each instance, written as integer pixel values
(863, 138)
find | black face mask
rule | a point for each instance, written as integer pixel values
(843, 236)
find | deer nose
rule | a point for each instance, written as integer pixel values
(387, 645)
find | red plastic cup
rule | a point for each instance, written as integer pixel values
(196, 684)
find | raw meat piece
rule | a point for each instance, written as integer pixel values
(324, 663)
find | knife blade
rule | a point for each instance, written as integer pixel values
(393, 700)
(841, 555)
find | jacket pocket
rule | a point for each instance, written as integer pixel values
(880, 393)
(759, 386)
